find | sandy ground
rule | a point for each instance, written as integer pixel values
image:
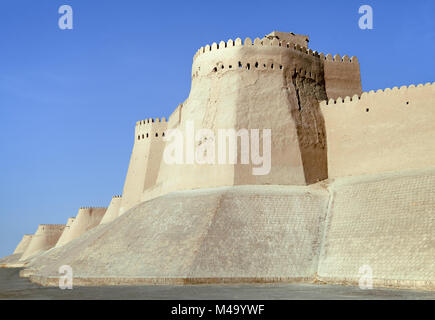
(14, 287)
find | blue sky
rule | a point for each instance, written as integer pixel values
(69, 99)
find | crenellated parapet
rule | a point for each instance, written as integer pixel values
(150, 128)
(265, 43)
(341, 74)
(44, 227)
(402, 91)
(381, 131)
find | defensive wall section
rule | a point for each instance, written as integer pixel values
(65, 233)
(323, 232)
(145, 161)
(257, 84)
(87, 218)
(381, 225)
(24, 243)
(387, 130)
(350, 187)
(45, 237)
(113, 210)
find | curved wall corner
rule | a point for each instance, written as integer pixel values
(44, 238)
(65, 232)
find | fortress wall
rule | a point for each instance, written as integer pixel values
(87, 218)
(45, 238)
(389, 130)
(65, 235)
(342, 76)
(386, 222)
(24, 243)
(222, 94)
(253, 86)
(286, 102)
(144, 162)
(266, 233)
(113, 211)
(289, 37)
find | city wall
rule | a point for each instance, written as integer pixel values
(113, 210)
(87, 218)
(387, 130)
(385, 225)
(260, 234)
(45, 237)
(65, 233)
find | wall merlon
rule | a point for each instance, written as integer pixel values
(265, 42)
(338, 58)
(47, 227)
(403, 90)
(151, 121)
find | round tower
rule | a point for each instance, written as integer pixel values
(24, 243)
(145, 161)
(113, 210)
(44, 238)
(255, 85)
(87, 218)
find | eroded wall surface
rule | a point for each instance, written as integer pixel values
(258, 84)
(342, 76)
(144, 162)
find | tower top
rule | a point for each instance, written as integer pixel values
(290, 37)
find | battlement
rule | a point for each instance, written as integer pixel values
(115, 197)
(340, 73)
(337, 58)
(49, 227)
(269, 65)
(380, 131)
(379, 93)
(265, 42)
(90, 208)
(151, 121)
(150, 128)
